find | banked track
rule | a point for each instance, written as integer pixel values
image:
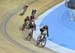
(6, 35)
(4, 31)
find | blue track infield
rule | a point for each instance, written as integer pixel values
(61, 29)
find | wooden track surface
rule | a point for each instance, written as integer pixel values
(12, 27)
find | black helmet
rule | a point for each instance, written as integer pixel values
(45, 27)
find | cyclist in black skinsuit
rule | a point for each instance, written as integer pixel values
(42, 36)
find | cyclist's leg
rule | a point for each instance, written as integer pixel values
(43, 43)
(30, 34)
(38, 40)
(23, 26)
